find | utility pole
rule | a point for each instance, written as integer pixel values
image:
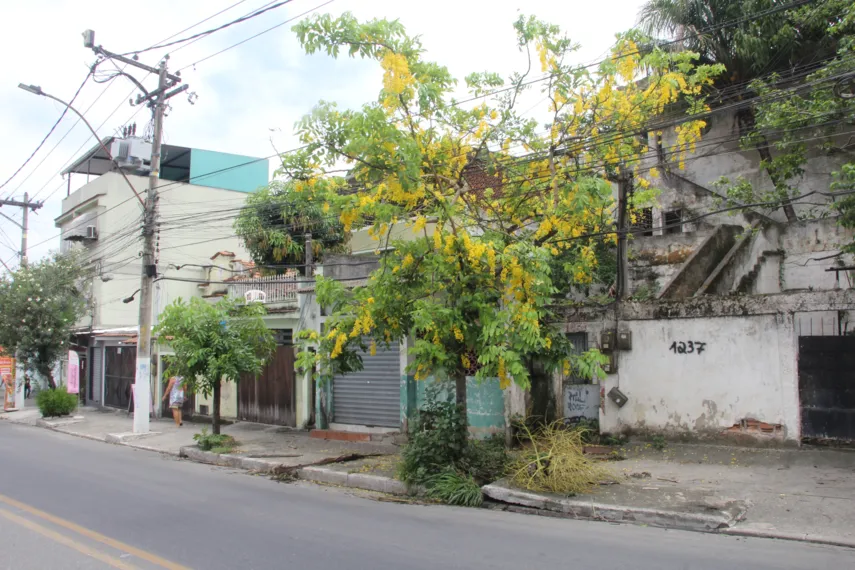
(309, 254)
(156, 100)
(26, 205)
(624, 189)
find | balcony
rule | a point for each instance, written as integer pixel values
(270, 290)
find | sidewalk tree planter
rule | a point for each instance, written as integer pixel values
(215, 343)
(41, 303)
(501, 216)
(56, 402)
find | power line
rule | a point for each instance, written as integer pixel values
(52, 129)
(258, 34)
(111, 114)
(213, 30)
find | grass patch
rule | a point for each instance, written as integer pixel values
(454, 488)
(216, 443)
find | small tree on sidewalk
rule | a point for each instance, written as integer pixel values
(215, 343)
(40, 305)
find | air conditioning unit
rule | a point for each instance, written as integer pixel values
(91, 232)
(132, 153)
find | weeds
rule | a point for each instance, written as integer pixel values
(658, 442)
(215, 443)
(454, 488)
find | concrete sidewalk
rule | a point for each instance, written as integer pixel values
(267, 446)
(797, 494)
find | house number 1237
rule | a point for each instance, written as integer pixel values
(687, 347)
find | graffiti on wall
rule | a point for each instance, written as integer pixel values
(687, 347)
(581, 401)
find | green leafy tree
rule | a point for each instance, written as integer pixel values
(780, 41)
(40, 304)
(492, 198)
(275, 220)
(215, 343)
(813, 117)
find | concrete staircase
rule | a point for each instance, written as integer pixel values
(704, 261)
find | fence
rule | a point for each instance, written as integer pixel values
(276, 288)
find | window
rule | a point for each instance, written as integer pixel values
(673, 222)
(643, 225)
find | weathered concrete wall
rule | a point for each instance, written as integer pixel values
(699, 377)
(695, 270)
(806, 244)
(654, 260)
(710, 366)
(349, 266)
(485, 403)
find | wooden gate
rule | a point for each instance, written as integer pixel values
(119, 371)
(269, 398)
(827, 387)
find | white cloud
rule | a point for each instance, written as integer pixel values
(267, 83)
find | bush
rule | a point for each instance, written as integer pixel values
(486, 460)
(454, 488)
(215, 442)
(438, 439)
(554, 462)
(56, 402)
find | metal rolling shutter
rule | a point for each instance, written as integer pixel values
(372, 396)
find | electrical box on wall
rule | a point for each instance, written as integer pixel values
(611, 366)
(624, 340)
(618, 397)
(607, 340)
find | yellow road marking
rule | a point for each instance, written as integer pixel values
(64, 540)
(91, 534)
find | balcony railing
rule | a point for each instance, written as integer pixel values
(270, 289)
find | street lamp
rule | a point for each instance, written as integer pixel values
(36, 90)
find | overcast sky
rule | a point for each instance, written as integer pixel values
(245, 95)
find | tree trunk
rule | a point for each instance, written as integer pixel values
(460, 388)
(746, 122)
(47, 373)
(215, 413)
(766, 156)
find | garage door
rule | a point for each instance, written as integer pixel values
(372, 396)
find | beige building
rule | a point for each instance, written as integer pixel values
(199, 195)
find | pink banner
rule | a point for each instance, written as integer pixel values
(73, 382)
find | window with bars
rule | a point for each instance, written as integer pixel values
(673, 222)
(643, 225)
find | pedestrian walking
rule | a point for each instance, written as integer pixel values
(175, 392)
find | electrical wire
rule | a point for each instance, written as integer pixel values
(52, 129)
(318, 7)
(213, 30)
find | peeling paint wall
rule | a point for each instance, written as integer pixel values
(710, 367)
(485, 403)
(701, 376)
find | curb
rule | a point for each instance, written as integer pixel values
(813, 539)
(309, 472)
(586, 509)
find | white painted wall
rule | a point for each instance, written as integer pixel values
(183, 238)
(747, 369)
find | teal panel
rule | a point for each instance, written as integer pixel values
(485, 403)
(228, 171)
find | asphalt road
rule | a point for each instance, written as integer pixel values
(67, 502)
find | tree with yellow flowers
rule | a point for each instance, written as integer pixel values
(493, 200)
